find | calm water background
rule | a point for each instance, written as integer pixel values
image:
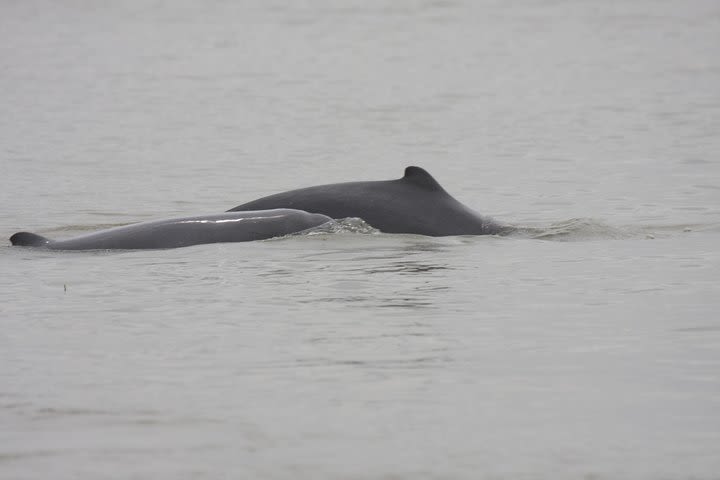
(591, 352)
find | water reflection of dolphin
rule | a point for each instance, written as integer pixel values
(415, 203)
(183, 232)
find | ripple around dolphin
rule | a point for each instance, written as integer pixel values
(574, 229)
(340, 226)
(571, 230)
(584, 229)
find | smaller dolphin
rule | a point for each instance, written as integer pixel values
(183, 232)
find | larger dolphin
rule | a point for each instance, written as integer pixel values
(183, 232)
(415, 203)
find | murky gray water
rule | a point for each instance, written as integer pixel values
(587, 348)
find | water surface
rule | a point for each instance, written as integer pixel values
(585, 347)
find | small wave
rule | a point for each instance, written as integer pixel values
(574, 229)
(344, 225)
(579, 229)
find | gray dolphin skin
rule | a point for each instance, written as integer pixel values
(415, 203)
(183, 232)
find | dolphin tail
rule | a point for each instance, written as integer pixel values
(27, 239)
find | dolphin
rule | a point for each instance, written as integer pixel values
(183, 232)
(415, 203)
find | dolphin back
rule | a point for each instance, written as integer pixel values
(27, 239)
(415, 203)
(185, 231)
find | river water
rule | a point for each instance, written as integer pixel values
(587, 347)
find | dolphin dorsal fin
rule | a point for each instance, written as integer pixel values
(419, 177)
(27, 239)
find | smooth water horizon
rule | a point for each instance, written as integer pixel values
(585, 345)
